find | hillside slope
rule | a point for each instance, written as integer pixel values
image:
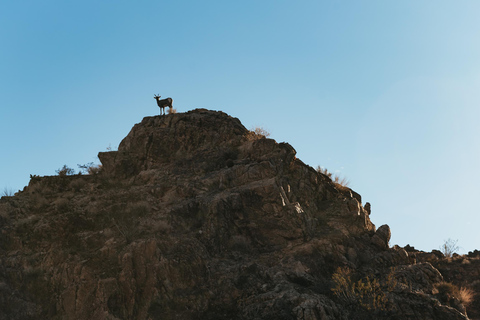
(195, 217)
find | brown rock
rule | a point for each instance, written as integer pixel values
(381, 238)
(194, 217)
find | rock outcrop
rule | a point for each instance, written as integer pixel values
(195, 217)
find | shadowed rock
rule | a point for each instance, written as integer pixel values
(195, 217)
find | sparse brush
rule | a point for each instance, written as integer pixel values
(65, 171)
(90, 168)
(344, 182)
(366, 292)
(257, 133)
(171, 111)
(465, 295)
(449, 247)
(446, 291)
(7, 192)
(339, 181)
(95, 169)
(324, 171)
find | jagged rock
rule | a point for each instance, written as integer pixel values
(382, 236)
(195, 217)
(368, 208)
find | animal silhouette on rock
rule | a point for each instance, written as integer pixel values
(162, 103)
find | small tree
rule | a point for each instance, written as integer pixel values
(449, 247)
(65, 171)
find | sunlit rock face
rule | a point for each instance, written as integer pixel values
(195, 217)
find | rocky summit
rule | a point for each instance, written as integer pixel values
(196, 217)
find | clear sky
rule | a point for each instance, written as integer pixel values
(385, 93)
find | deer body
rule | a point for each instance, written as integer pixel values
(162, 103)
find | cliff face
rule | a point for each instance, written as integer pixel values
(195, 217)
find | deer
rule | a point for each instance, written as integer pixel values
(163, 103)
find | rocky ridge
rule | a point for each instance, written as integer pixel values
(195, 217)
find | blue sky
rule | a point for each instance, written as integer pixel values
(385, 93)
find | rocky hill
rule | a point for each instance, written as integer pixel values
(195, 217)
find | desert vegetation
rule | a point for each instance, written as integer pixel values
(65, 171)
(367, 292)
(257, 133)
(338, 180)
(7, 192)
(450, 294)
(90, 168)
(449, 247)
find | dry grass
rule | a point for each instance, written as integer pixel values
(367, 292)
(445, 291)
(7, 192)
(340, 182)
(171, 111)
(465, 295)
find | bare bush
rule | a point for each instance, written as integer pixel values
(449, 247)
(90, 168)
(257, 133)
(65, 171)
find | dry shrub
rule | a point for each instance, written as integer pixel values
(171, 111)
(366, 292)
(257, 133)
(449, 248)
(446, 291)
(340, 182)
(90, 168)
(465, 295)
(65, 171)
(93, 170)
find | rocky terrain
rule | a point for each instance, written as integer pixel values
(196, 217)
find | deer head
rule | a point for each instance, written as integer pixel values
(156, 96)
